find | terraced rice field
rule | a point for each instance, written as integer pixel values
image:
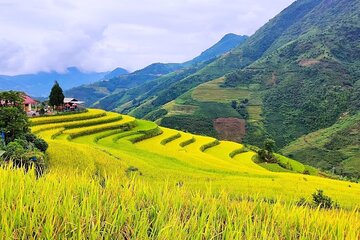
(166, 154)
(112, 176)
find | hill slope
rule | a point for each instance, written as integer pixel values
(335, 148)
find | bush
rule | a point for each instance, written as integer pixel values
(209, 145)
(302, 202)
(323, 201)
(30, 137)
(25, 158)
(146, 134)
(25, 144)
(14, 151)
(187, 142)
(238, 151)
(171, 138)
(41, 144)
(266, 156)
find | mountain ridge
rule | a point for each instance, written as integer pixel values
(153, 71)
(39, 84)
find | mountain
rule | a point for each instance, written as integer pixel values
(91, 93)
(297, 74)
(40, 84)
(228, 42)
(115, 73)
(335, 148)
(107, 91)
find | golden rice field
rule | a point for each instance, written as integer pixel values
(112, 176)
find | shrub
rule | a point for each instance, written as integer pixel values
(14, 151)
(187, 142)
(30, 137)
(323, 201)
(41, 144)
(171, 138)
(266, 156)
(302, 202)
(22, 142)
(238, 151)
(25, 158)
(146, 134)
(209, 145)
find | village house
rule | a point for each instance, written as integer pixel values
(72, 104)
(29, 103)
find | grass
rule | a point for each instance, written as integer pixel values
(178, 109)
(255, 113)
(100, 208)
(102, 185)
(211, 91)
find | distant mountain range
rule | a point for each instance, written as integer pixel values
(110, 90)
(39, 84)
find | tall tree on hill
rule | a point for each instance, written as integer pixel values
(56, 97)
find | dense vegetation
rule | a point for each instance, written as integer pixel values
(21, 148)
(335, 149)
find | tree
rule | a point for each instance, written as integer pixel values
(13, 120)
(269, 145)
(266, 154)
(56, 97)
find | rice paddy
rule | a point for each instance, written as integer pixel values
(167, 184)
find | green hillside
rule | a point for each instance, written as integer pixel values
(334, 149)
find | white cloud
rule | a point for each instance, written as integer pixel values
(45, 35)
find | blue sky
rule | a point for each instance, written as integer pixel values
(51, 35)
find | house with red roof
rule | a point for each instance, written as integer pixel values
(29, 103)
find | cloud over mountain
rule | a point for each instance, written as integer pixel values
(44, 35)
